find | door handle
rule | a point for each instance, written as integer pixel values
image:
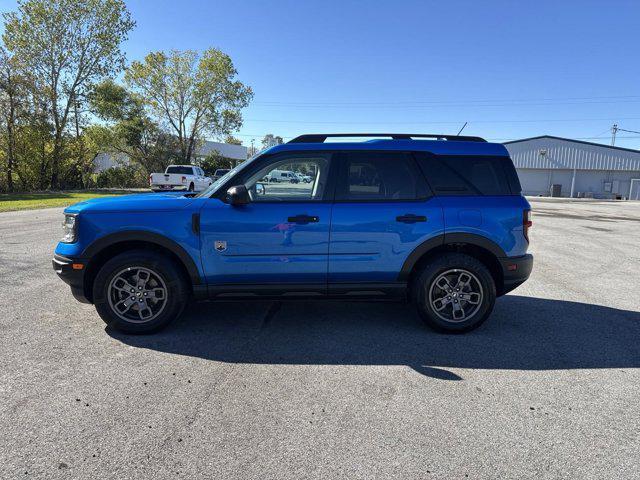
(303, 219)
(411, 218)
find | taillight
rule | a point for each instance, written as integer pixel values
(526, 223)
(184, 179)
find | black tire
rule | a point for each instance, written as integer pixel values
(454, 264)
(191, 187)
(165, 274)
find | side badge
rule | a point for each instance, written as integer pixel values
(220, 246)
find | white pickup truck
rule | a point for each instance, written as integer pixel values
(180, 177)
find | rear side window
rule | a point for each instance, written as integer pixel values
(180, 170)
(469, 175)
(379, 176)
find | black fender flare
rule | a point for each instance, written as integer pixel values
(144, 236)
(447, 239)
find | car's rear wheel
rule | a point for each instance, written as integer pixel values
(454, 293)
(139, 291)
(191, 187)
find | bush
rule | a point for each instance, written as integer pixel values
(213, 162)
(127, 176)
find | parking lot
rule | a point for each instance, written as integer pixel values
(549, 386)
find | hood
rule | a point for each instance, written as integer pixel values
(144, 202)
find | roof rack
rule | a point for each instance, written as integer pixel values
(321, 137)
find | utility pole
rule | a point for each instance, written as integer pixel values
(615, 129)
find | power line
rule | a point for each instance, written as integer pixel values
(601, 97)
(539, 120)
(475, 103)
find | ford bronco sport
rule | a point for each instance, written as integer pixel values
(438, 220)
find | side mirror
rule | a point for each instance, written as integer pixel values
(238, 195)
(260, 189)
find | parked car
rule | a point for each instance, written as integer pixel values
(282, 176)
(180, 177)
(439, 223)
(303, 178)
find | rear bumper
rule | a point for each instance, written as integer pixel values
(73, 277)
(169, 188)
(515, 271)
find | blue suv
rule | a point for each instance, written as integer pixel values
(438, 220)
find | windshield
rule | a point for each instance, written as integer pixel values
(222, 180)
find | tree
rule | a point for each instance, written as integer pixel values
(231, 140)
(270, 140)
(213, 161)
(67, 45)
(11, 93)
(191, 94)
(130, 130)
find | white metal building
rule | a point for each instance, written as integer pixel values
(237, 153)
(583, 169)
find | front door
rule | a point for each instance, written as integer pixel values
(383, 210)
(280, 238)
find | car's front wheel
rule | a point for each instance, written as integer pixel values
(454, 293)
(139, 291)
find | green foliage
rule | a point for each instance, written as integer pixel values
(56, 71)
(126, 176)
(131, 131)
(66, 45)
(191, 93)
(214, 161)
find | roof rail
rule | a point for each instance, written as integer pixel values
(321, 137)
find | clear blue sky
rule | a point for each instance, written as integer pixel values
(513, 69)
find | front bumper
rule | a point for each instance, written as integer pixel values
(73, 276)
(515, 271)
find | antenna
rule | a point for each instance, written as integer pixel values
(465, 124)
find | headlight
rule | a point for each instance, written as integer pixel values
(69, 228)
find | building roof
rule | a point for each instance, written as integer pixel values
(228, 150)
(572, 140)
(550, 152)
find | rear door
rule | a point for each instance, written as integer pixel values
(383, 210)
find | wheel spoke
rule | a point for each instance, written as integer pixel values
(443, 284)
(124, 305)
(463, 280)
(473, 298)
(440, 303)
(144, 312)
(458, 311)
(122, 284)
(155, 294)
(142, 277)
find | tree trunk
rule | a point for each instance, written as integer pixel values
(55, 161)
(43, 167)
(10, 155)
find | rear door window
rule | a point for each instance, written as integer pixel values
(379, 176)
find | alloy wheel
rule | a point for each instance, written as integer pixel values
(456, 295)
(137, 294)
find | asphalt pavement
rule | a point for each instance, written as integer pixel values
(548, 387)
